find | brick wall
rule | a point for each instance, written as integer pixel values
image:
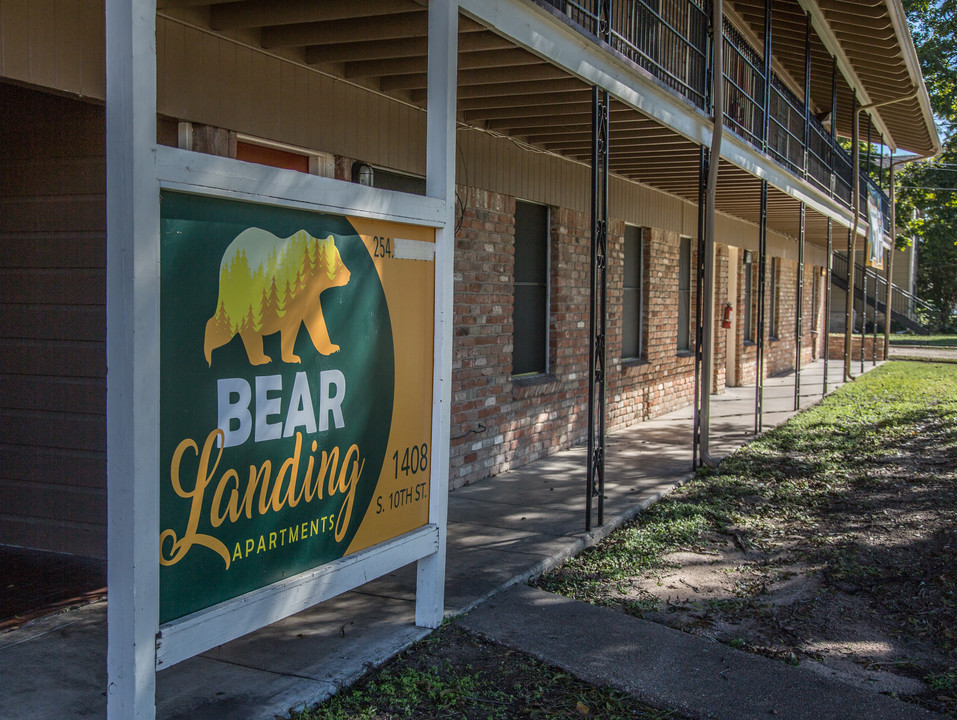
(779, 349)
(836, 348)
(499, 423)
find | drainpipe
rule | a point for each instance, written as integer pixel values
(852, 239)
(707, 306)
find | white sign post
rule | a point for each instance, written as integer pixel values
(138, 171)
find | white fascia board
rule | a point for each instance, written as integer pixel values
(739, 153)
(204, 174)
(538, 31)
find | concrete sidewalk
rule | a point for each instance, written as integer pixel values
(671, 669)
(501, 532)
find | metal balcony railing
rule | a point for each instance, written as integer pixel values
(906, 308)
(670, 40)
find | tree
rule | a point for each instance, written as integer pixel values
(930, 188)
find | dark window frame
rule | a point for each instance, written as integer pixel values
(633, 285)
(747, 302)
(533, 286)
(773, 304)
(685, 275)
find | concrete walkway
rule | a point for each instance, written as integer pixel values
(671, 669)
(501, 532)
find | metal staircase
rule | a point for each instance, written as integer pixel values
(904, 305)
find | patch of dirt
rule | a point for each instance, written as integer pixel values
(930, 353)
(830, 544)
(867, 592)
(453, 674)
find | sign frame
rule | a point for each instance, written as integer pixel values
(137, 170)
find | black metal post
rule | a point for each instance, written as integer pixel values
(762, 264)
(763, 230)
(807, 90)
(863, 310)
(699, 326)
(833, 125)
(598, 307)
(799, 317)
(827, 302)
(877, 278)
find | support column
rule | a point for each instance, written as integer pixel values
(598, 307)
(440, 183)
(889, 297)
(863, 311)
(852, 239)
(799, 316)
(763, 230)
(132, 359)
(699, 284)
(827, 302)
(762, 265)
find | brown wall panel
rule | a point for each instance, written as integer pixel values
(52, 314)
(69, 537)
(56, 394)
(48, 502)
(56, 467)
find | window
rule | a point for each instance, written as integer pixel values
(530, 299)
(773, 300)
(684, 295)
(632, 288)
(401, 182)
(815, 296)
(273, 156)
(747, 301)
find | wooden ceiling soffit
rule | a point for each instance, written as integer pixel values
(541, 71)
(528, 112)
(528, 88)
(524, 100)
(397, 48)
(640, 146)
(241, 15)
(387, 26)
(566, 126)
(418, 81)
(403, 67)
(623, 137)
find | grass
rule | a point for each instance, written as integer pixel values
(785, 482)
(929, 340)
(452, 674)
(788, 479)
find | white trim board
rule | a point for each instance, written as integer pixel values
(200, 631)
(204, 174)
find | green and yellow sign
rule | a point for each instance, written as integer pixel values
(296, 392)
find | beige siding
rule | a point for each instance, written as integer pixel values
(52, 323)
(54, 43)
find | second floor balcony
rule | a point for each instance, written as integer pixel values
(794, 105)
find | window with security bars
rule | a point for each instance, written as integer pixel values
(530, 297)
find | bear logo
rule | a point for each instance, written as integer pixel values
(269, 284)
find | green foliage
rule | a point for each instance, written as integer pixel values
(933, 185)
(786, 478)
(933, 25)
(452, 674)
